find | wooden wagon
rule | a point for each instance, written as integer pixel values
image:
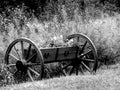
(23, 56)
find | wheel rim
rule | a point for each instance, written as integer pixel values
(86, 56)
(24, 57)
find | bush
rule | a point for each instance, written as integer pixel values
(6, 77)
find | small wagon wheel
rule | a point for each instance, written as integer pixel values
(24, 59)
(86, 56)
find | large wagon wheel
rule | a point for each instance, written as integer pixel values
(86, 56)
(24, 59)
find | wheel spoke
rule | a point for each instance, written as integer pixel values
(15, 73)
(72, 70)
(47, 75)
(13, 57)
(76, 70)
(28, 52)
(34, 71)
(10, 65)
(88, 60)
(78, 38)
(81, 69)
(88, 47)
(28, 60)
(64, 73)
(64, 67)
(17, 52)
(33, 64)
(86, 66)
(22, 48)
(30, 76)
(83, 47)
(85, 53)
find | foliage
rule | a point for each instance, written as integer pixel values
(41, 8)
(6, 77)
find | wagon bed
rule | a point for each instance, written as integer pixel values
(58, 54)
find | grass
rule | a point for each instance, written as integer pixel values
(106, 78)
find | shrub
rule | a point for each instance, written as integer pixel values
(6, 77)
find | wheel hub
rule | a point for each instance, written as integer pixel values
(21, 66)
(76, 62)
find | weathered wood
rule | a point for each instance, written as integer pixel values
(58, 54)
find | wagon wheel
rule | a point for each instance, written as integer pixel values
(86, 56)
(24, 60)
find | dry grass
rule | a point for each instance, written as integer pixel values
(105, 79)
(103, 32)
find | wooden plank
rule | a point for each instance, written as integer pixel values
(58, 54)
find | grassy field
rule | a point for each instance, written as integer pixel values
(107, 78)
(104, 31)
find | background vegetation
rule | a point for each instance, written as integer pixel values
(46, 21)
